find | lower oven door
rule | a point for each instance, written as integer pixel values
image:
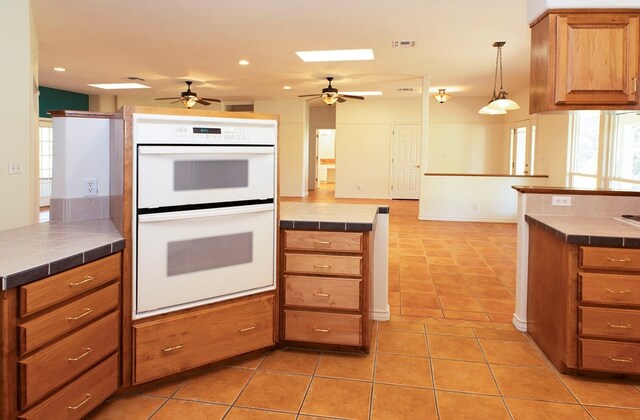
(189, 258)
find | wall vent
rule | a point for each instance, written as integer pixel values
(404, 43)
(406, 89)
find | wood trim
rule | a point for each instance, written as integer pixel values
(8, 352)
(81, 114)
(199, 113)
(487, 175)
(582, 11)
(525, 189)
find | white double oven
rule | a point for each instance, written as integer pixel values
(204, 209)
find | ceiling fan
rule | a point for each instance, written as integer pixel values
(190, 98)
(330, 95)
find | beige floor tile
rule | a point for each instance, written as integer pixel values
(454, 290)
(131, 407)
(399, 403)
(417, 286)
(338, 398)
(535, 410)
(461, 303)
(504, 306)
(500, 334)
(399, 342)
(471, 316)
(394, 298)
(449, 330)
(237, 413)
(531, 382)
(607, 413)
(606, 392)
(402, 326)
(421, 312)
(219, 386)
(347, 366)
(291, 361)
(456, 348)
(476, 270)
(503, 318)
(249, 362)
(274, 391)
(472, 377)
(192, 410)
(491, 291)
(455, 406)
(165, 390)
(419, 301)
(403, 370)
(511, 353)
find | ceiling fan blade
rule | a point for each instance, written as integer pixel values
(353, 97)
(211, 99)
(201, 102)
(313, 99)
(313, 94)
(341, 100)
(175, 102)
(162, 99)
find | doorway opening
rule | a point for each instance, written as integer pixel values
(326, 157)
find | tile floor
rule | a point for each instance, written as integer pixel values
(449, 351)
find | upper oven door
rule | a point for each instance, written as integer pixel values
(185, 175)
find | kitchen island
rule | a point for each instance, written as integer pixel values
(583, 292)
(333, 265)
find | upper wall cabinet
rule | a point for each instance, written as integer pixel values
(585, 60)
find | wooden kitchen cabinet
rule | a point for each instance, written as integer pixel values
(61, 341)
(325, 289)
(583, 304)
(585, 60)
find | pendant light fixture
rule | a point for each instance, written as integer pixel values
(499, 104)
(442, 96)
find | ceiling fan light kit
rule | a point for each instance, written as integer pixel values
(190, 98)
(330, 95)
(442, 96)
(499, 104)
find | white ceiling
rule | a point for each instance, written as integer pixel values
(169, 41)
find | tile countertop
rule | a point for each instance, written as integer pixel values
(329, 216)
(597, 231)
(33, 252)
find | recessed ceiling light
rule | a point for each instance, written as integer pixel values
(119, 85)
(59, 69)
(364, 93)
(243, 62)
(335, 55)
(287, 87)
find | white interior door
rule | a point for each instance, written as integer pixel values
(405, 166)
(522, 137)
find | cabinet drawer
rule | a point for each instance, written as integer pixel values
(322, 327)
(55, 289)
(322, 292)
(323, 264)
(614, 323)
(610, 356)
(38, 331)
(54, 365)
(81, 396)
(610, 258)
(610, 289)
(322, 241)
(191, 339)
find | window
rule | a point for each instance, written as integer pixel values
(46, 160)
(605, 150)
(522, 137)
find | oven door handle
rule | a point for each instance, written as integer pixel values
(194, 214)
(204, 150)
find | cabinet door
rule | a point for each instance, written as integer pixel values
(597, 59)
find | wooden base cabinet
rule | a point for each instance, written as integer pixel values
(583, 304)
(325, 289)
(60, 342)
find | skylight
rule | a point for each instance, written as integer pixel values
(335, 55)
(119, 86)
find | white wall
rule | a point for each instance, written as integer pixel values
(552, 138)
(80, 150)
(363, 144)
(18, 115)
(293, 143)
(320, 117)
(135, 101)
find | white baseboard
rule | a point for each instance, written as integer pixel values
(381, 315)
(520, 324)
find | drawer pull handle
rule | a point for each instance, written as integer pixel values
(86, 312)
(86, 352)
(625, 360)
(322, 330)
(87, 397)
(620, 260)
(170, 349)
(324, 295)
(621, 292)
(322, 266)
(253, 327)
(322, 242)
(626, 326)
(86, 279)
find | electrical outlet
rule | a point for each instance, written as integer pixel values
(558, 200)
(90, 187)
(15, 167)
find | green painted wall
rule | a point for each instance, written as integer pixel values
(55, 99)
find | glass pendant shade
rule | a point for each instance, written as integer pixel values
(499, 104)
(329, 99)
(502, 103)
(442, 96)
(189, 102)
(490, 111)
